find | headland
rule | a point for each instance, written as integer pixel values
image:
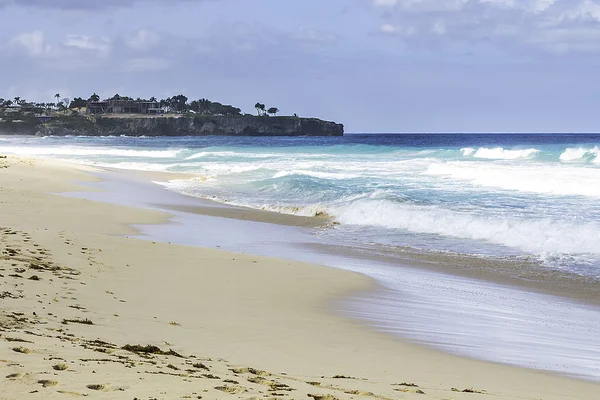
(171, 117)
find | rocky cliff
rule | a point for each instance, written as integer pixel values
(176, 126)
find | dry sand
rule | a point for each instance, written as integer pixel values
(85, 311)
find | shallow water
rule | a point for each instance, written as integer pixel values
(460, 315)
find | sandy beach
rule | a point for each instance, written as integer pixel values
(87, 311)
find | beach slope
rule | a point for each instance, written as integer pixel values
(87, 311)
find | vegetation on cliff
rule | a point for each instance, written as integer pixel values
(173, 116)
(178, 104)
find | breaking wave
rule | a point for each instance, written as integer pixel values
(499, 153)
(581, 154)
(539, 178)
(539, 236)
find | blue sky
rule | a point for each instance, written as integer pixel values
(375, 65)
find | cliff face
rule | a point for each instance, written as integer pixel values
(183, 126)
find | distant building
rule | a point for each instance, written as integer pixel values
(123, 107)
(44, 118)
(13, 108)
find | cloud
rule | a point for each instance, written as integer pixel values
(101, 46)
(75, 51)
(32, 42)
(80, 4)
(142, 40)
(549, 25)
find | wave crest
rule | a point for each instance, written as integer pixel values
(581, 154)
(539, 236)
(499, 153)
(559, 180)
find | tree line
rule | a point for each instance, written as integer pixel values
(178, 104)
(262, 110)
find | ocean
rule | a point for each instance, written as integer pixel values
(507, 196)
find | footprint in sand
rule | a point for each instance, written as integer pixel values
(60, 367)
(322, 397)
(47, 383)
(231, 389)
(22, 350)
(97, 387)
(71, 393)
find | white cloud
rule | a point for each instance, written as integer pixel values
(568, 25)
(142, 40)
(33, 42)
(388, 28)
(439, 28)
(102, 46)
(398, 30)
(74, 51)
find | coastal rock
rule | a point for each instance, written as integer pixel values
(199, 125)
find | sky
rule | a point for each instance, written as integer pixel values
(374, 65)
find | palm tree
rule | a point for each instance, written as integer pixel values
(260, 108)
(94, 97)
(17, 100)
(57, 95)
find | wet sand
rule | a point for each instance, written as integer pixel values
(247, 214)
(522, 272)
(87, 311)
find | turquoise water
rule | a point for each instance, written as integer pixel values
(490, 195)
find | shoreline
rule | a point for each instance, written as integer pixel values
(252, 310)
(522, 272)
(293, 242)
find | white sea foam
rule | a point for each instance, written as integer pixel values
(224, 154)
(87, 151)
(499, 153)
(581, 154)
(134, 166)
(544, 235)
(556, 179)
(315, 174)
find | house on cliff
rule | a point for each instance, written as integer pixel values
(114, 106)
